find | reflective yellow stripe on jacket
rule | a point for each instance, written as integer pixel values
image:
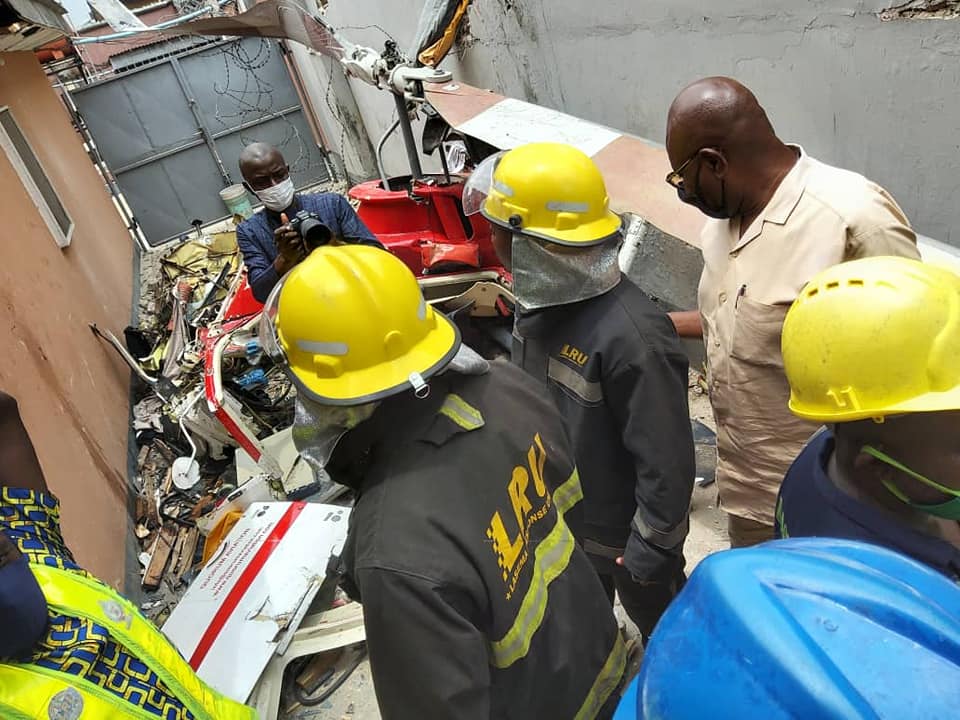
(461, 412)
(606, 682)
(31, 691)
(550, 560)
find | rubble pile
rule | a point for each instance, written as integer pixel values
(186, 457)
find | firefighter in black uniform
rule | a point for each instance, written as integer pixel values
(478, 603)
(612, 361)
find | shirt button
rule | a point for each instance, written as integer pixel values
(716, 343)
(723, 297)
(734, 253)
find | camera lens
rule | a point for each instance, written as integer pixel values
(314, 233)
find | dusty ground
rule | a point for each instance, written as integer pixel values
(708, 524)
(356, 699)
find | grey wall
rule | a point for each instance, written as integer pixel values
(877, 97)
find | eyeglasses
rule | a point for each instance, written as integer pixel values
(675, 177)
(269, 179)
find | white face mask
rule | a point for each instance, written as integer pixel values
(277, 197)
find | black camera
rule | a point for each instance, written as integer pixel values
(311, 230)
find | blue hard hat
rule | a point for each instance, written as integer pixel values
(805, 628)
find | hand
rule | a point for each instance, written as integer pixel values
(289, 246)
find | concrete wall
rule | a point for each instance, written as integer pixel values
(375, 108)
(73, 391)
(873, 96)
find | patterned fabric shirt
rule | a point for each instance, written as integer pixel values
(72, 645)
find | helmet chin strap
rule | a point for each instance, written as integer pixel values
(420, 386)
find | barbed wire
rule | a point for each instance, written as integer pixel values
(245, 95)
(373, 26)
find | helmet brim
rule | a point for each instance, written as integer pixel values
(426, 358)
(946, 401)
(587, 235)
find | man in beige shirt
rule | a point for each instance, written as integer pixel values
(778, 218)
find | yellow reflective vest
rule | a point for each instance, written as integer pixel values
(29, 691)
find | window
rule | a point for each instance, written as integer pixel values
(34, 179)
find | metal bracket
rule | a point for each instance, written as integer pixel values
(404, 79)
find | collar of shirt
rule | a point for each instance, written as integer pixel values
(400, 420)
(273, 217)
(928, 549)
(781, 205)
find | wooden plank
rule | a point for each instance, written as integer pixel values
(161, 555)
(174, 560)
(190, 536)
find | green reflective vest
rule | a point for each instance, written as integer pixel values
(29, 691)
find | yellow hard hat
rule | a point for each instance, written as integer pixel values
(352, 327)
(874, 337)
(546, 190)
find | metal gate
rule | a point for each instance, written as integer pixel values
(171, 132)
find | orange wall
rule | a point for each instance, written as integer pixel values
(73, 390)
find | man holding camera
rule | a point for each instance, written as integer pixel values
(290, 225)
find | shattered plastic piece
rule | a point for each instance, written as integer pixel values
(254, 351)
(147, 414)
(456, 154)
(257, 489)
(179, 334)
(251, 379)
(293, 542)
(446, 257)
(297, 477)
(219, 533)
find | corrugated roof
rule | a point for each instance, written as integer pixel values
(43, 23)
(136, 11)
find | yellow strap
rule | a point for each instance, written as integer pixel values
(607, 681)
(72, 594)
(29, 691)
(551, 558)
(461, 412)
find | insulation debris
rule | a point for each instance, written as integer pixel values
(206, 391)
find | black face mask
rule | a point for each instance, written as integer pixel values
(694, 199)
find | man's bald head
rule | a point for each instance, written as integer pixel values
(726, 157)
(257, 154)
(262, 165)
(716, 112)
